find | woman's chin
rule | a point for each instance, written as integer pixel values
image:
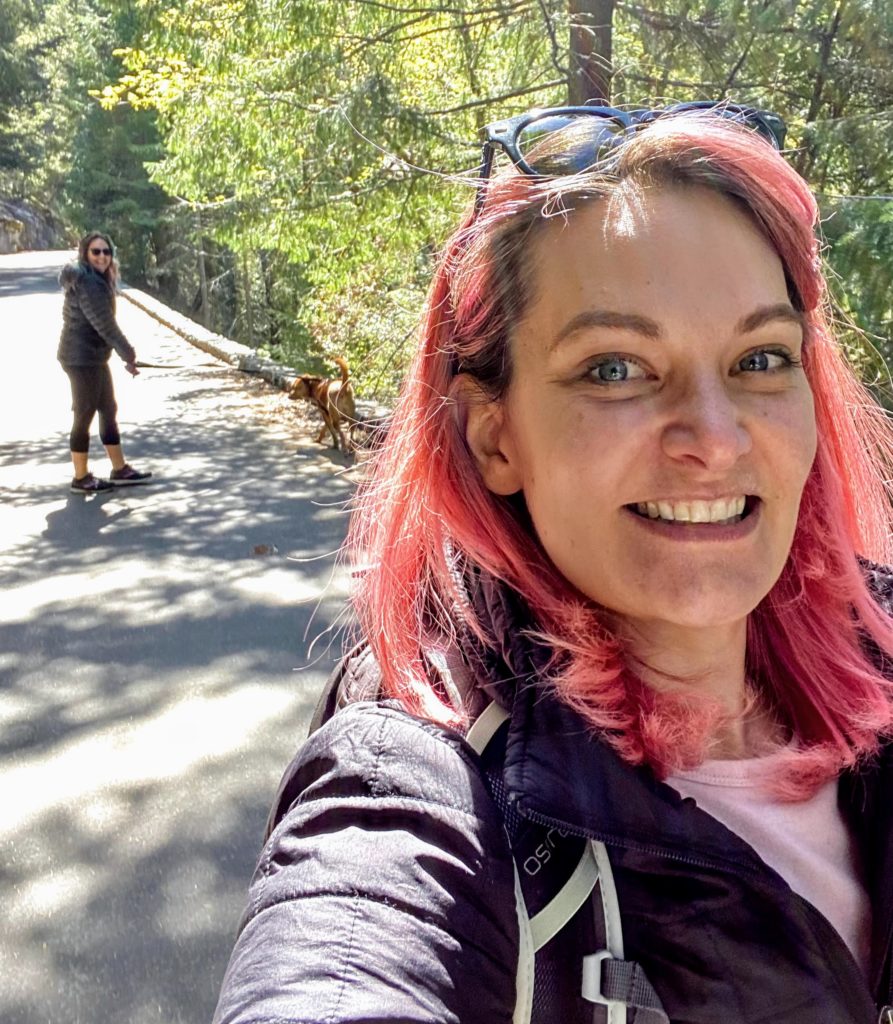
(692, 603)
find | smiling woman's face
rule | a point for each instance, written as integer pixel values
(658, 420)
(99, 254)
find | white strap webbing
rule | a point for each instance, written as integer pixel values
(485, 726)
(592, 965)
(526, 959)
(482, 730)
(561, 908)
(610, 903)
(535, 932)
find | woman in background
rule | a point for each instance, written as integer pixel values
(615, 743)
(89, 333)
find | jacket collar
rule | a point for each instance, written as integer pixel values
(553, 760)
(557, 772)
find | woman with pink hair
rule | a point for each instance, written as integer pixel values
(614, 742)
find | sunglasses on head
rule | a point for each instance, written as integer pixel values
(558, 141)
(100, 252)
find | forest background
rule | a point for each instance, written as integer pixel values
(285, 170)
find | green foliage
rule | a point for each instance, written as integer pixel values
(286, 169)
(317, 131)
(48, 58)
(18, 82)
(860, 236)
(107, 187)
(57, 145)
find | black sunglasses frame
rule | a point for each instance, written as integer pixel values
(505, 133)
(100, 252)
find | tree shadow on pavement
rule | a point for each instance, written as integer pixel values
(36, 281)
(156, 676)
(138, 924)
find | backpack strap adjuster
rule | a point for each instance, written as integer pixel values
(621, 986)
(592, 977)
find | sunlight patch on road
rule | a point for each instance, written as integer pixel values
(14, 705)
(27, 601)
(286, 587)
(52, 894)
(168, 590)
(164, 746)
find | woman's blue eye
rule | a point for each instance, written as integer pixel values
(762, 361)
(615, 368)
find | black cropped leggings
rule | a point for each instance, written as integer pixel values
(92, 392)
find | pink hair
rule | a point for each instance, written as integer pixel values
(425, 500)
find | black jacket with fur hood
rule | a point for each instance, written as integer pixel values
(385, 890)
(89, 329)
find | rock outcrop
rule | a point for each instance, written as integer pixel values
(26, 225)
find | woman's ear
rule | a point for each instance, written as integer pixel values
(488, 436)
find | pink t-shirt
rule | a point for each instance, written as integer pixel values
(807, 843)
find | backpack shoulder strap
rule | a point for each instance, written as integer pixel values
(609, 980)
(485, 727)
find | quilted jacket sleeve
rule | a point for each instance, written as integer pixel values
(95, 301)
(386, 891)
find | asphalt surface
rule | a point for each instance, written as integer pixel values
(157, 664)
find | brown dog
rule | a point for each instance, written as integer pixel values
(333, 398)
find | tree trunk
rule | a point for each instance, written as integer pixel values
(205, 311)
(274, 328)
(249, 305)
(591, 30)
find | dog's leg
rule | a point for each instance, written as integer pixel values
(328, 425)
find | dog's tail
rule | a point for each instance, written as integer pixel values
(342, 365)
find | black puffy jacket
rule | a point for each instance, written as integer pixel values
(385, 890)
(89, 328)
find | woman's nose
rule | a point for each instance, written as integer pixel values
(706, 427)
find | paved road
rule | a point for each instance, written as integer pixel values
(154, 675)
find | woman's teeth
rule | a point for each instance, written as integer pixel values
(720, 511)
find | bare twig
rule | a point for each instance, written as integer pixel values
(487, 100)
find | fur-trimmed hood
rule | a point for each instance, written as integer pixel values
(72, 273)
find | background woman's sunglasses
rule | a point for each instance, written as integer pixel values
(100, 252)
(557, 141)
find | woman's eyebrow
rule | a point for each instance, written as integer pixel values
(652, 330)
(643, 325)
(766, 314)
